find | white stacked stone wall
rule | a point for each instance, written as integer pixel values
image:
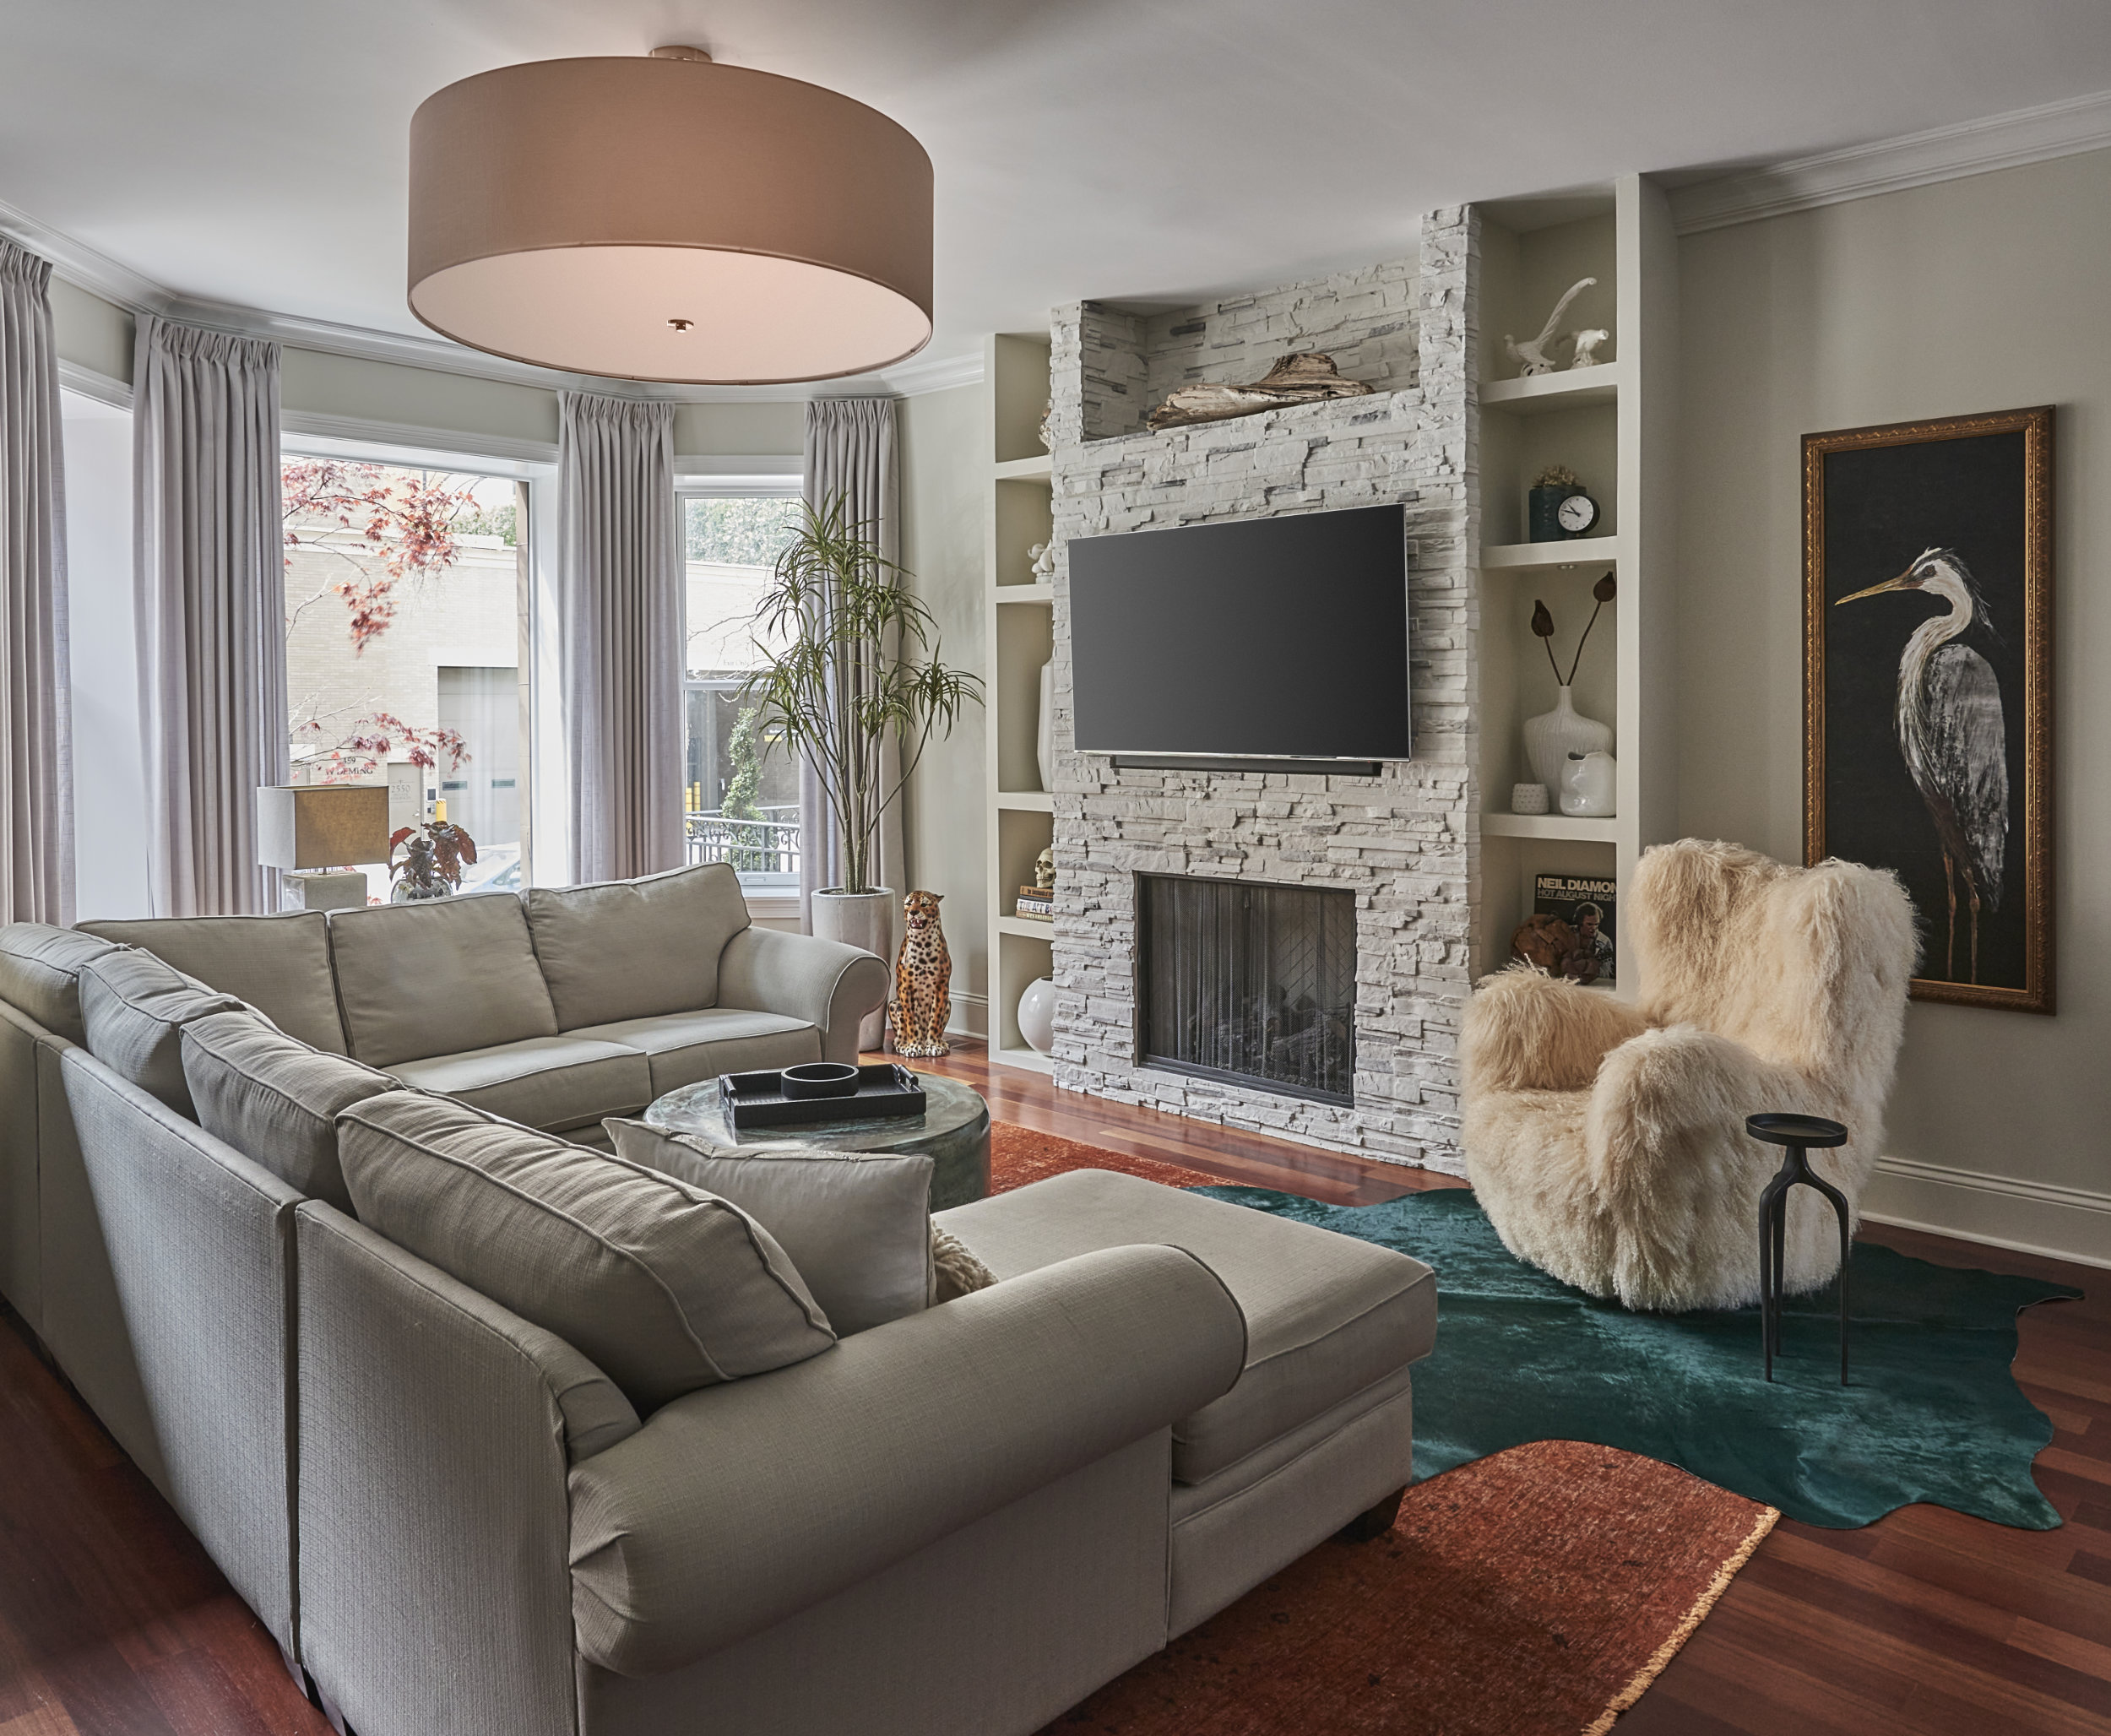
(1404, 842)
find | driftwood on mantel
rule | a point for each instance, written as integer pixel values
(1295, 379)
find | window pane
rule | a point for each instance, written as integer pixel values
(403, 609)
(742, 793)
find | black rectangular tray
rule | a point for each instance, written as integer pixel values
(759, 1099)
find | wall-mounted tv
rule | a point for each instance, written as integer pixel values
(1263, 638)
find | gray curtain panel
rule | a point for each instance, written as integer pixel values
(619, 600)
(36, 767)
(851, 447)
(209, 577)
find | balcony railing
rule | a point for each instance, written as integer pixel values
(761, 847)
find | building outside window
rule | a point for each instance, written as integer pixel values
(741, 795)
(406, 619)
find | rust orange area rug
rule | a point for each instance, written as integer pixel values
(1534, 1593)
(1018, 1155)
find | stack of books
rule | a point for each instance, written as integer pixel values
(1037, 903)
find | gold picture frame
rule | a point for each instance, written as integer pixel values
(1919, 753)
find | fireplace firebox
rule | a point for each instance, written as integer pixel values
(1248, 982)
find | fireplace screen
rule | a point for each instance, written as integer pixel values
(1248, 982)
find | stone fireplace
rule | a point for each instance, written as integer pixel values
(1367, 1061)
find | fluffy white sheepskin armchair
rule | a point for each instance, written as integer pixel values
(1607, 1141)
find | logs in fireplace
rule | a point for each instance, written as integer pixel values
(1248, 982)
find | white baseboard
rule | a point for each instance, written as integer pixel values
(970, 1017)
(2002, 1211)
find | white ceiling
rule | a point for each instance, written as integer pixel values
(252, 151)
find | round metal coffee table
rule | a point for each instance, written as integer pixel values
(953, 1132)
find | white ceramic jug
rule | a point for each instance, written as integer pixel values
(1587, 784)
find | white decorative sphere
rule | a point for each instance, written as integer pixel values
(1037, 1015)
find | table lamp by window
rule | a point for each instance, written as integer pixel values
(300, 828)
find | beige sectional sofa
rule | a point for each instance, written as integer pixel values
(452, 1520)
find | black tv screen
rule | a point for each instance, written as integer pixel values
(1262, 638)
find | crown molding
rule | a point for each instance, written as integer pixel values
(933, 373)
(89, 268)
(2031, 135)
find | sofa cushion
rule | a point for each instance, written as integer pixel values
(437, 978)
(280, 965)
(684, 1047)
(1327, 1315)
(39, 971)
(632, 948)
(133, 1007)
(857, 1224)
(663, 1287)
(551, 1083)
(274, 1099)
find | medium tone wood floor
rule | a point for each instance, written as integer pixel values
(113, 1622)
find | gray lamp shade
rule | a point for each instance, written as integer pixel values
(322, 825)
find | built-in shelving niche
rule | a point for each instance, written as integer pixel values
(1020, 636)
(1611, 424)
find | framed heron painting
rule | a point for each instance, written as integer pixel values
(1928, 597)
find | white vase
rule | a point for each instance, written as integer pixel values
(1044, 730)
(863, 920)
(1552, 736)
(1588, 785)
(1037, 1015)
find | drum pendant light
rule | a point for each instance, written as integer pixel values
(669, 218)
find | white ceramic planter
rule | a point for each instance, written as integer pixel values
(863, 920)
(1037, 1015)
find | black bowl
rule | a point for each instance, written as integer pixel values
(822, 1078)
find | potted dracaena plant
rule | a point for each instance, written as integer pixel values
(848, 665)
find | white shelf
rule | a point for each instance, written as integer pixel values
(1031, 1059)
(1540, 395)
(1030, 801)
(1040, 469)
(1024, 593)
(1026, 928)
(1604, 831)
(1578, 551)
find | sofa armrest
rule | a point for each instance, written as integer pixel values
(737, 1506)
(1527, 1031)
(436, 1432)
(828, 984)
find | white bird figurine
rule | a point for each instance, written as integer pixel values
(1532, 357)
(1954, 739)
(1586, 343)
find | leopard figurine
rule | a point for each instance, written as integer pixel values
(923, 980)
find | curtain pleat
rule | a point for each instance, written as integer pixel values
(209, 573)
(619, 599)
(852, 451)
(37, 771)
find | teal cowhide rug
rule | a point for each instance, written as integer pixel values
(1932, 1412)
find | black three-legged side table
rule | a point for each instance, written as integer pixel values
(1799, 1134)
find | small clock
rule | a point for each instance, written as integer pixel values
(1577, 515)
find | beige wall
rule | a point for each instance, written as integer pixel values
(944, 466)
(1982, 293)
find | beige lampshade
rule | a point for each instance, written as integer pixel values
(669, 219)
(322, 825)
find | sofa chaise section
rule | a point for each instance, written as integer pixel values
(1318, 1427)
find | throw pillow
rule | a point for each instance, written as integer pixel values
(959, 1272)
(39, 973)
(133, 1008)
(857, 1224)
(274, 1099)
(662, 1285)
